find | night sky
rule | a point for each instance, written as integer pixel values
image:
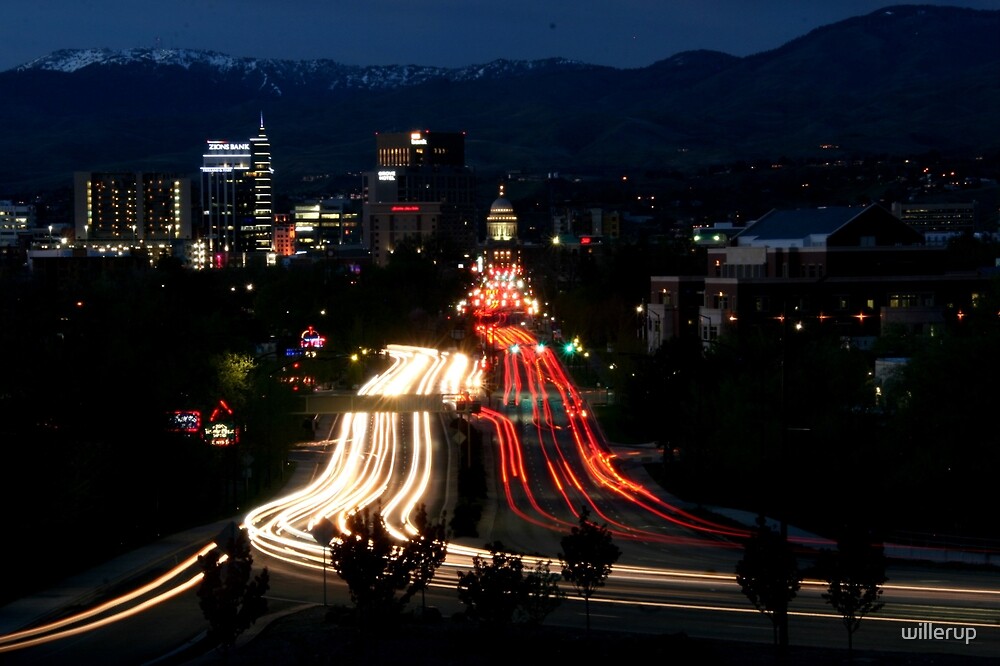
(446, 33)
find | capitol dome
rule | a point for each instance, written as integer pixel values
(501, 207)
(501, 223)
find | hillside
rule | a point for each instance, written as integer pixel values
(906, 80)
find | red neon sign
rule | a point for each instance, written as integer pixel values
(405, 209)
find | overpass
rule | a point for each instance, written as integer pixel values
(341, 403)
(332, 403)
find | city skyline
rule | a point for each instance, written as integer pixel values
(629, 35)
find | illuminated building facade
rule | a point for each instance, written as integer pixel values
(15, 221)
(423, 175)
(321, 224)
(237, 198)
(501, 223)
(131, 207)
(421, 149)
(939, 222)
(257, 236)
(225, 196)
(284, 235)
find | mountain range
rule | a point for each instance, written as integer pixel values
(903, 80)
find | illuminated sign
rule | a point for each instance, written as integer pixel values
(222, 434)
(185, 421)
(417, 140)
(222, 408)
(405, 209)
(387, 175)
(585, 240)
(225, 145)
(311, 339)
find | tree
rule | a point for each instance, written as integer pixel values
(374, 566)
(425, 552)
(541, 594)
(587, 557)
(230, 601)
(855, 573)
(497, 592)
(768, 574)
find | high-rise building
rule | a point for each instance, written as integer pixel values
(421, 188)
(258, 235)
(237, 197)
(131, 207)
(225, 200)
(421, 149)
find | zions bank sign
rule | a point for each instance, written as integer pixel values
(228, 147)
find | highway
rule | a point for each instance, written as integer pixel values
(549, 460)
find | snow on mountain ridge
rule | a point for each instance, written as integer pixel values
(298, 72)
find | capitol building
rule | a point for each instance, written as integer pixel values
(501, 223)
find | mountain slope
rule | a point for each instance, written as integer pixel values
(903, 80)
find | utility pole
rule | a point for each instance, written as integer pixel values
(782, 453)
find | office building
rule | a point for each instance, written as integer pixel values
(939, 222)
(237, 197)
(420, 188)
(322, 225)
(226, 202)
(391, 224)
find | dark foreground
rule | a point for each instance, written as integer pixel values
(310, 637)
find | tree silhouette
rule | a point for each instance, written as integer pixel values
(587, 557)
(425, 552)
(374, 566)
(541, 594)
(768, 574)
(230, 601)
(855, 573)
(497, 592)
